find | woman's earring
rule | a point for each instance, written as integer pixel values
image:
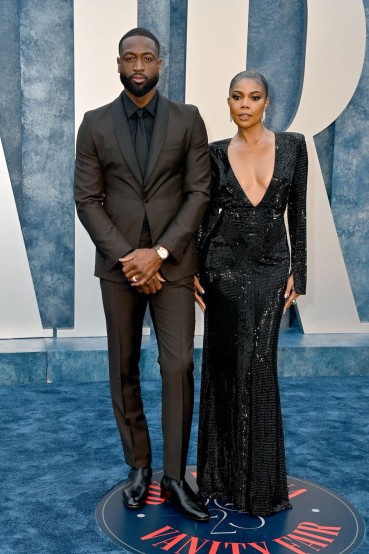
(263, 116)
(230, 117)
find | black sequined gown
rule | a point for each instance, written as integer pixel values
(244, 266)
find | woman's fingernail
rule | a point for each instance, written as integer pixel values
(285, 296)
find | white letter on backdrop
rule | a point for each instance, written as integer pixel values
(335, 51)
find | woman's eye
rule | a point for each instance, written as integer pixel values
(236, 97)
(255, 98)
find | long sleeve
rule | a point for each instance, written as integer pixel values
(89, 196)
(297, 218)
(195, 188)
(212, 210)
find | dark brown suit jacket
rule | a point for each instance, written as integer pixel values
(112, 198)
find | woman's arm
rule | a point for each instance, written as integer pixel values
(297, 218)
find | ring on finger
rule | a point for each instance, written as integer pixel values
(294, 302)
(134, 279)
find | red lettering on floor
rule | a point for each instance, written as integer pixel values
(214, 547)
(262, 549)
(159, 533)
(309, 526)
(308, 542)
(291, 546)
(235, 546)
(292, 494)
(169, 543)
(312, 535)
(193, 545)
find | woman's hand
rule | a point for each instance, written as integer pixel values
(289, 294)
(198, 292)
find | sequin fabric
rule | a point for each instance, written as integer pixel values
(244, 266)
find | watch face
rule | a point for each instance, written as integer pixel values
(163, 252)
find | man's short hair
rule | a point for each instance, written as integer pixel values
(139, 32)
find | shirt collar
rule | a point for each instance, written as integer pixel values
(131, 108)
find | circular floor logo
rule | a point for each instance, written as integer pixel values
(320, 521)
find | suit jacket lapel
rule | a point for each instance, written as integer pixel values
(123, 135)
(158, 135)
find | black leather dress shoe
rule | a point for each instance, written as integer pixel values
(136, 487)
(182, 496)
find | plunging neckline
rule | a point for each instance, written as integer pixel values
(270, 182)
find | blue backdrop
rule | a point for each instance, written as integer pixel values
(37, 128)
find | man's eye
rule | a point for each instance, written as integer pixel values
(148, 59)
(128, 59)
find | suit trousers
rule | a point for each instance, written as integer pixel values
(173, 314)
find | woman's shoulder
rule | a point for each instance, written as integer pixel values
(291, 137)
(219, 145)
(218, 149)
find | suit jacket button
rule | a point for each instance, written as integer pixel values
(146, 200)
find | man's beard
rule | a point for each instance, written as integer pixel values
(142, 89)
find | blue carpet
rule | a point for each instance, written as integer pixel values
(60, 454)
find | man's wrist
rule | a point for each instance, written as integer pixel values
(161, 251)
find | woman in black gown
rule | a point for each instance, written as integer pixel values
(250, 279)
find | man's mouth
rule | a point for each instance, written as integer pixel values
(138, 79)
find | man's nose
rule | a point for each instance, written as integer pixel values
(138, 65)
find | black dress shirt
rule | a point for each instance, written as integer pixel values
(148, 116)
(149, 112)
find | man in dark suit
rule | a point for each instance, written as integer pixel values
(142, 180)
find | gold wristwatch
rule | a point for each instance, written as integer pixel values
(161, 251)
